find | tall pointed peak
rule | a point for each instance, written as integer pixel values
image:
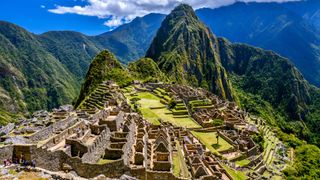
(183, 10)
(186, 50)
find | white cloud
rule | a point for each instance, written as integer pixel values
(115, 21)
(122, 11)
(43, 6)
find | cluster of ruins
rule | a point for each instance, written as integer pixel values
(104, 136)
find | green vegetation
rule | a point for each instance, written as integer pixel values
(165, 96)
(104, 67)
(146, 70)
(306, 163)
(209, 139)
(153, 110)
(105, 161)
(256, 105)
(183, 49)
(259, 139)
(6, 117)
(238, 175)
(267, 85)
(217, 122)
(242, 162)
(31, 78)
(180, 168)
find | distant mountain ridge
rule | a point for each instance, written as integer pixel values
(45, 71)
(31, 78)
(281, 27)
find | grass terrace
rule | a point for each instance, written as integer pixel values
(209, 139)
(243, 162)
(201, 104)
(153, 110)
(180, 168)
(163, 94)
(237, 175)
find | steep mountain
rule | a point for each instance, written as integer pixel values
(309, 10)
(268, 75)
(72, 49)
(103, 67)
(147, 70)
(130, 41)
(45, 71)
(30, 77)
(186, 50)
(271, 26)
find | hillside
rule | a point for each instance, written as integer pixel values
(45, 71)
(130, 41)
(186, 50)
(31, 78)
(103, 67)
(181, 52)
(272, 26)
(146, 70)
(72, 49)
(277, 81)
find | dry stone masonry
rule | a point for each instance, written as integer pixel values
(105, 137)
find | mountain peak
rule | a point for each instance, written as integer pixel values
(184, 13)
(186, 50)
(183, 10)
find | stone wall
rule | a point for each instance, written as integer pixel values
(6, 152)
(54, 161)
(63, 135)
(96, 150)
(253, 151)
(226, 138)
(87, 170)
(48, 131)
(127, 149)
(151, 175)
(77, 147)
(139, 173)
(48, 160)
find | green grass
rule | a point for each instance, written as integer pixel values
(237, 175)
(180, 168)
(105, 161)
(243, 162)
(209, 139)
(197, 103)
(148, 100)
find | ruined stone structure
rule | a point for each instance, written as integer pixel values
(104, 136)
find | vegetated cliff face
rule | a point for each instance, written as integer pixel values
(147, 70)
(188, 53)
(287, 28)
(30, 77)
(186, 50)
(104, 67)
(274, 79)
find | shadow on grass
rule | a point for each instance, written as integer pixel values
(216, 146)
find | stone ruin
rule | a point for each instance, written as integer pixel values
(104, 136)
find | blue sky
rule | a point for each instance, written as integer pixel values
(91, 17)
(30, 15)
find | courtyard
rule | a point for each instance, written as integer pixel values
(153, 110)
